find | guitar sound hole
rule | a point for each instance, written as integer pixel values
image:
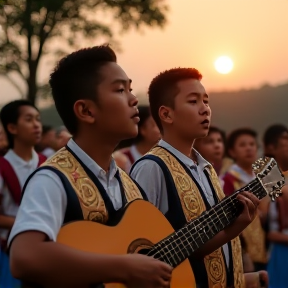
(140, 246)
(144, 251)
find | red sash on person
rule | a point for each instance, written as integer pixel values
(10, 178)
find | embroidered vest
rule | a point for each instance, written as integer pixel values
(92, 203)
(253, 235)
(192, 205)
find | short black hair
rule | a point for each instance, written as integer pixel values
(46, 129)
(214, 129)
(273, 133)
(163, 89)
(10, 114)
(75, 77)
(235, 134)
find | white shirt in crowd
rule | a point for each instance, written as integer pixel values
(22, 170)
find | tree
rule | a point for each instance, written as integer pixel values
(31, 29)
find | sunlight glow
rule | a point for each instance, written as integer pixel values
(223, 64)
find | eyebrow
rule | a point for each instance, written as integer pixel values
(122, 81)
(31, 115)
(197, 94)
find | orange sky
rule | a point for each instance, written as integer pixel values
(252, 32)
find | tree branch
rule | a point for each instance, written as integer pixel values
(44, 35)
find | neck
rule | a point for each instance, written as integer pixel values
(182, 146)
(23, 151)
(99, 149)
(217, 166)
(143, 147)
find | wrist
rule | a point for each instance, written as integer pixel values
(122, 268)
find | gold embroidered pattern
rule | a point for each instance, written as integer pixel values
(91, 201)
(193, 205)
(131, 190)
(254, 234)
(239, 281)
(254, 237)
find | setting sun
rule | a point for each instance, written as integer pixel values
(223, 64)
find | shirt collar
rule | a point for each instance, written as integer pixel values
(90, 163)
(16, 160)
(202, 163)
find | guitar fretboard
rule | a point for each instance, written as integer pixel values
(180, 245)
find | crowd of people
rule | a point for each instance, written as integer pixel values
(163, 131)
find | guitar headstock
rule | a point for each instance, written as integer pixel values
(270, 176)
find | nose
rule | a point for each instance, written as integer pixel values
(205, 109)
(37, 123)
(133, 100)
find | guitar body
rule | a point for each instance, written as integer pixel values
(141, 226)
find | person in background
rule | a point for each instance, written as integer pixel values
(48, 143)
(212, 148)
(122, 160)
(22, 125)
(275, 142)
(62, 137)
(3, 141)
(242, 147)
(148, 136)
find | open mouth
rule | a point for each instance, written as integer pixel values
(135, 115)
(206, 121)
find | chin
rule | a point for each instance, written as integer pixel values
(202, 135)
(131, 134)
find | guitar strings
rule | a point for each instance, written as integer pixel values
(213, 212)
(225, 202)
(191, 235)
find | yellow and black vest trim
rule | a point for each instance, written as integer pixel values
(86, 197)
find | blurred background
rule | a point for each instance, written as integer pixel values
(151, 36)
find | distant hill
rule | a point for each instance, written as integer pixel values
(257, 108)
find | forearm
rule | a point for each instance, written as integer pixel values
(57, 265)
(278, 237)
(216, 242)
(6, 222)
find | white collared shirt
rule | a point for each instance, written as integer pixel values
(44, 203)
(148, 174)
(22, 170)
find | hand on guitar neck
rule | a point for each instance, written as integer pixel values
(250, 204)
(249, 211)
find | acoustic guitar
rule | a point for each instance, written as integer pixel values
(144, 229)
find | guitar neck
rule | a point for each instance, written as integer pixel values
(183, 243)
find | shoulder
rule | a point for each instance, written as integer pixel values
(145, 165)
(44, 180)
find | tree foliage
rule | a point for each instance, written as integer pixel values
(33, 28)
